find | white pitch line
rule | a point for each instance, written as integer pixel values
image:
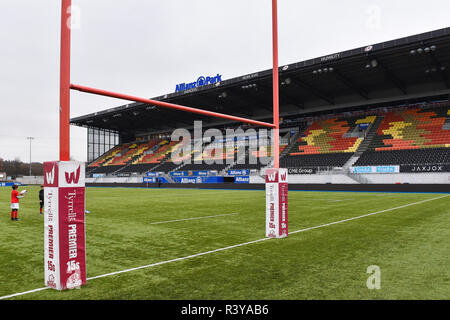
(369, 214)
(326, 199)
(195, 218)
(234, 246)
(23, 293)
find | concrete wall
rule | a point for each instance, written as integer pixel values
(114, 180)
(321, 178)
(292, 187)
(374, 178)
(31, 180)
(412, 178)
(383, 178)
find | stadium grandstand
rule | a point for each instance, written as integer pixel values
(380, 108)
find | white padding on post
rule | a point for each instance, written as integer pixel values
(276, 203)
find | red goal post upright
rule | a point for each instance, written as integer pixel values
(64, 180)
(64, 190)
(276, 178)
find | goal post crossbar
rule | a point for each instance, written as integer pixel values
(163, 104)
(66, 86)
(65, 180)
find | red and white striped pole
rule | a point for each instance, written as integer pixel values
(64, 82)
(276, 178)
(276, 103)
(64, 190)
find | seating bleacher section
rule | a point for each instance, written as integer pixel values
(409, 135)
(413, 129)
(328, 136)
(412, 136)
(106, 158)
(262, 157)
(327, 143)
(427, 156)
(142, 155)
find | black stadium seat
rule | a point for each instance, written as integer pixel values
(406, 157)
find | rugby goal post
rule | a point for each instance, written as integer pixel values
(64, 180)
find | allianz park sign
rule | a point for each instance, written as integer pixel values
(201, 81)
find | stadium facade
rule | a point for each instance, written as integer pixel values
(378, 114)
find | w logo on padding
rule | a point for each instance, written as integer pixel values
(50, 176)
(283, 176)
(272, 176)
(73, 177)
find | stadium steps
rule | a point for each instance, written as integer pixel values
(292, 143)
(179, 167)
(120, 169)
(158, 165)
(168, 177)
(350, 162)
(194, 155)
(356, 177)
(230, 167)
(151, 150)
(131, 163)
(164, 160)
(446, 125)
(371, 133)
(285, 152)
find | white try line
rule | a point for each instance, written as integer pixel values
(369, 214)
(233, 246)
(333, 200)
(195, 218)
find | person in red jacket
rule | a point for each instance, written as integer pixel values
(15, 196)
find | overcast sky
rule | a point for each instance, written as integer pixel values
(146, 47)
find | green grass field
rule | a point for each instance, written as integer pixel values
(129, 228)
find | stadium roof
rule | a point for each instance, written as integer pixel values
(399, 70)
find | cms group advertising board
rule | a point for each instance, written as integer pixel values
(64, 225)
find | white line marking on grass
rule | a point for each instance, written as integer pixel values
(367, 215)
(333, 200)
(234, 246)
(199, 194)
(195, 218)
(179, 259)
(22, 293)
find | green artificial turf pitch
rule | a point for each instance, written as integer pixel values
(127, 228)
